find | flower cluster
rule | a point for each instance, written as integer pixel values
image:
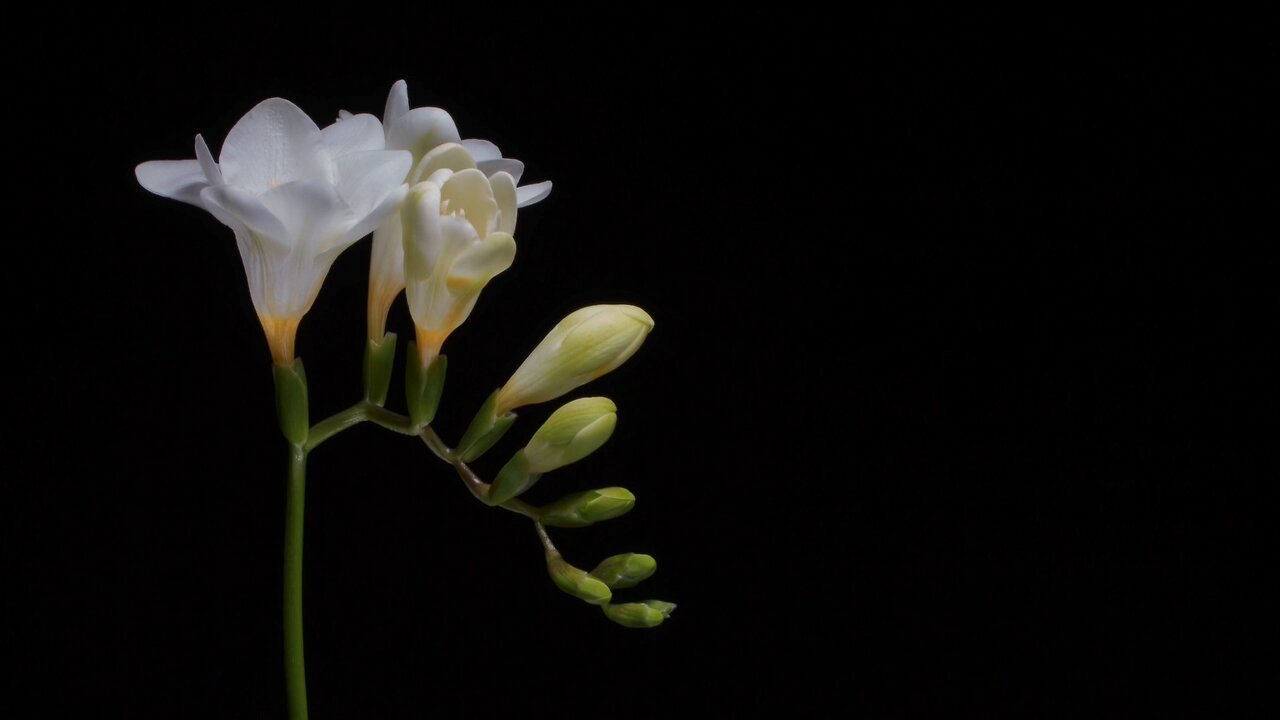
(296, 196)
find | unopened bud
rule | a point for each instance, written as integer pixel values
(647, 614)
(624, 571)
(574, 431)
(586, 508)
(583, 346)
(577, 582)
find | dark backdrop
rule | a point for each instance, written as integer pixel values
(952, 400)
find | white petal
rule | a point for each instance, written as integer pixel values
(397, 103)
(504, 192)
(386, 263)
(420, 220)
(355, 133)
(469, 196)
(364, 178)
(451, 156)
(511, 166)
(385, 209)
(481, 261)
(420, 130)
(178, 179)
(482, 149)
(212, 172)
(313, 214)
(240, 210)
(344, 114)
(530, 194)
(273, 144)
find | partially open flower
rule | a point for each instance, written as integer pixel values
(430, 134)
(457, 237)
(296, 196)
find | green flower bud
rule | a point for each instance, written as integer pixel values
(647, 614)
(666, 608)
(572, 432)
(577, 582)
(583, 346)
(586, 508)
(624, 571)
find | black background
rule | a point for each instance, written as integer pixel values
(953, 399)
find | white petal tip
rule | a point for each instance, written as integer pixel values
(530, 194)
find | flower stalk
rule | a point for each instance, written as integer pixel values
(291, 406)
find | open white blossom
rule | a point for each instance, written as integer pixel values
(296, 196)
(431, 135)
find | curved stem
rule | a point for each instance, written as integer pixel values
(295, 675)
(546, 540)
(354, 415)
(478, 487)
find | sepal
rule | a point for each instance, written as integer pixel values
(423, 386)
(486, 428)
(379, 356)
(291, 401)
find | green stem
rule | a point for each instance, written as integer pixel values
(478, 487)
(354, 415)
(295, 675)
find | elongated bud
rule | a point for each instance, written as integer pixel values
(647, 614)
(574, 431)
(379, 356)
(586, 508)
(624, 571)
(486, 428)
(423, 386)
(291, 401)
(583, 346)
(577, 582)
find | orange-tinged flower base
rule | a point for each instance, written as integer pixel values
(429, 344)
(281, 333)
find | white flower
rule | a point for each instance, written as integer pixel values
(586, 344)
(431, 135)
(457, 237)
(296, 196)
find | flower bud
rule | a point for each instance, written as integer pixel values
(624, 571)
(647, 614)
(586, 508)
(576, 582)
(573, 432)
(583, 346)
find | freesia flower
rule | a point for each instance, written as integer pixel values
(457, 236)
(432, 136)
(586, 344)
(296, 196)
